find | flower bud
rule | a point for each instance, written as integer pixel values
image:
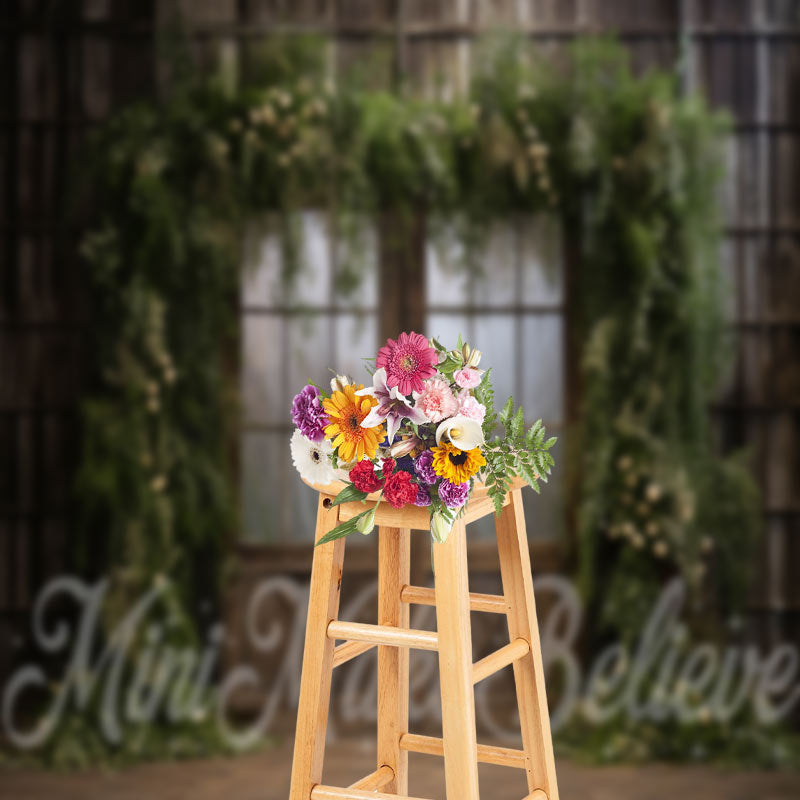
(474, 358)
(440, 528)
(339, 382)
(404, 447)
(366, 523)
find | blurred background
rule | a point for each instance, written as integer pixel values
(78, 329)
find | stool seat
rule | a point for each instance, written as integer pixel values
(413, 517)
(479, 489)
(452, 641)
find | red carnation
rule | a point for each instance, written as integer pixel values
(387, 468)
(400, 490)
(364, 478)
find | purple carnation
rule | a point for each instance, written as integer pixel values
(423, 466)
(309, 415)
(423, 498)
(453, 495)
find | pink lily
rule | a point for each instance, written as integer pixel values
(392, 407)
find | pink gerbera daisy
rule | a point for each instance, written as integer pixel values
(408, 361)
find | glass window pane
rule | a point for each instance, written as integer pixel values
(542, 262)
(446, 327)
(360, 257)
(543, 367)
(264, 394)
(261, 278)
(262, 282)
(276, 505)
(313, 285)
(356, 339)
(447, 281)
(266, 465)
(494, 337)
(497, 284)
(310, 352)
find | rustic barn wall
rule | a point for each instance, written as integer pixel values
(65, 65)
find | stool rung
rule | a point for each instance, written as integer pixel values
(487, 753)
(422, 596)
(375, 780)
(538, 794)
(506, 655)
(320, 792)
(383, 634)
(344, 652)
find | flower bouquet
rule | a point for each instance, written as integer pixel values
(423, 433)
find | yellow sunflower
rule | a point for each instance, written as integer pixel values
(457, 466)
(346, 412)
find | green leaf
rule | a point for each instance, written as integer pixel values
(348, 494)
(345, 529)
(517, 423)
(505, 414)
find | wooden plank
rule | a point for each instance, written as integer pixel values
(412, 517)
(383, 634)
(315, 679)
(515, 569)
(375, 780)
(480, 507)
(423, 596)
(513, 651)
(455, 665)
(417, 519)
(321, 792)
(349, 650)
(487, 753)
(394, 571)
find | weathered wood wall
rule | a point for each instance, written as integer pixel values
(65, 65)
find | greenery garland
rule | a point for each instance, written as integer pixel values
(628, 164)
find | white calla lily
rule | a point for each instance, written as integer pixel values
(462, 432)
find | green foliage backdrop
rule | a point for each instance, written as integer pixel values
(628, 164)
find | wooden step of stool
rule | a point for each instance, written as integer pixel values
(452, 641)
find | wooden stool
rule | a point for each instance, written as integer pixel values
(452, 640)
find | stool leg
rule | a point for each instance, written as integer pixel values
(455, 666)
(394, 572)
(315, 681)
(515, 568)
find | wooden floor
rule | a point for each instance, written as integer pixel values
(266, 777)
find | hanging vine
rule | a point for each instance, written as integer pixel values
(628, 164)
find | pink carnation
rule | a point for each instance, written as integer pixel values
(437, 401)
(469, 407)
(467, 378)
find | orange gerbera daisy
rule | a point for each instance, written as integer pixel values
(346, 412)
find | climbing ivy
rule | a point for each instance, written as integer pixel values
(628, 164)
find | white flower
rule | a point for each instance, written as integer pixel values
(339, 382)
(392, 406)
(312, 459)
(464, 433)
